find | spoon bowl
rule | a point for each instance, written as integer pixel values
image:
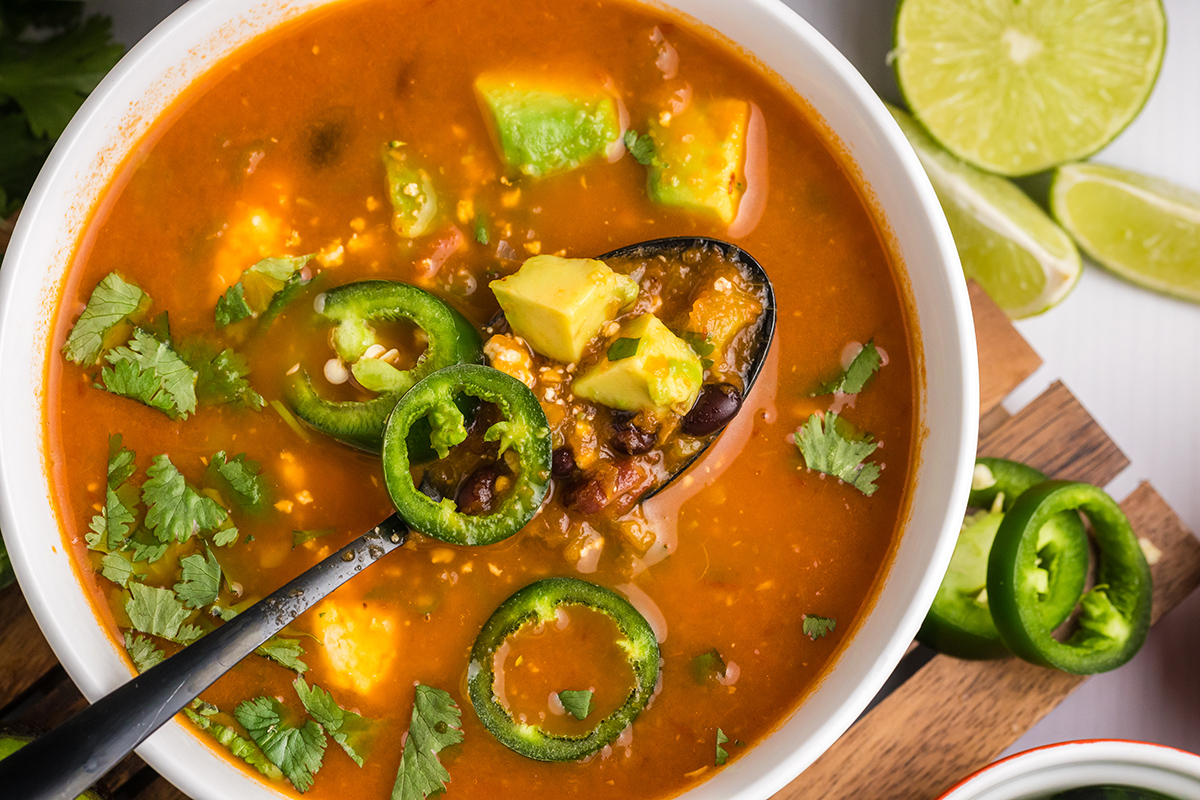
(73, 756)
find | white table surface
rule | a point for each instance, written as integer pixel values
(1132, 358)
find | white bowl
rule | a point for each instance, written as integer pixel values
(1035, 774)
(188, 44)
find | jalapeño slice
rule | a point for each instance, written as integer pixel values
(452, 340)
(1115, 613)
(523, 428)
(536, 604)
(959, 622)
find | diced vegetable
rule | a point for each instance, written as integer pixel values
(547, 126)
(409, 187)
(646, 368)
(699, 156)
(558, 305)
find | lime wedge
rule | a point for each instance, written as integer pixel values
(1144, 229)
(1016, 87)
(1005, 241)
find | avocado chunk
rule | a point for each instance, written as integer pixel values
(699, 156)
(559, 304)
(646, 368)
(414, 201)
(546, 126)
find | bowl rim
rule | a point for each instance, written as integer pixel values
(747, 776)
(1070, 752)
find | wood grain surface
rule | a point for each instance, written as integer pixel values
(1005, 359)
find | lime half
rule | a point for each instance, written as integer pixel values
(1005, 241)
(1019, 86)
(1144, 229)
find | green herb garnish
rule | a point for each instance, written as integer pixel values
(260, 285)
(159, 612)
(623, 348)
(708, 665)
(641, 147)
(112, 302)
(284, 652)
(352, 732)
(722, 755)
(117, 569)
(817, 627)
(201, 580)
(142, 652)
(240, 479)
(436, 724)
(174, 510)
(237, 744)
(577, 703)
(221, 376)
(839, 454)
(149, 371)
(300, 537)
(862, 368)
(297, 751)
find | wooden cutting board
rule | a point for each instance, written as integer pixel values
(913, 744)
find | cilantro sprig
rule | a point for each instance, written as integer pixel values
(436, 724)
(150, 371)
(113, 301)
(831, 446)
(818, 627)
(262, 291)
(298, 750)
(858, 374)
(640, 146)
(353, 733)
(578, 703)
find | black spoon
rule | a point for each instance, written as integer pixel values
(62, 764)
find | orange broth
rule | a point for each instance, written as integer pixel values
(277, 152)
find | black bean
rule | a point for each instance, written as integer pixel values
(428, 489)
(717, 404)
(562, 462)
(629, 437)
(498, 323)
(477, 494)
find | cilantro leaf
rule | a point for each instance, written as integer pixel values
(120, 462)
(263, 290)
(862, 368)
(239, 745)
(226, 535)
(110, 528)
(641, 147)
(436, 725)
(826, 449)
(239, 478)
(149, 371)
(577, 703)
(117, 569)
(49, 79)
(817, 627)
(142, 652)
(622, 348)
(707, 665)
(701, 345)
(145, 547)
(174, 510)
(481, 230)
(351, 731)
(201, 580)
(298, 752)
(157, 612)
(232, 306)
(722, 755)
(284, 652)
(220, 376)
(112, 301)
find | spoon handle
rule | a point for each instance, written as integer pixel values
(65, 762)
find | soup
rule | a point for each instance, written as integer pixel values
(341, 150)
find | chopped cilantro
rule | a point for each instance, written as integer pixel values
(117, 569)
(112, 301)
(174, 510)
(145, 547)
(641, 147)
(227, 535)
(220, 376)
(157, 612)
(238, 478)
(284, 652)
(300, 537)
(110, 528)
(297, 751)
(149, 371)
(722, 755)
(142, 652)
(436, 725)
(623, 348)
(201, 580)
(817, 627)
(862, 368)
(577, 703)
(120, 462)
(825, 448)
(239, 745)
(708, 665)
(263, 290)
(352, 732)
(701, 345)
(481, 231)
